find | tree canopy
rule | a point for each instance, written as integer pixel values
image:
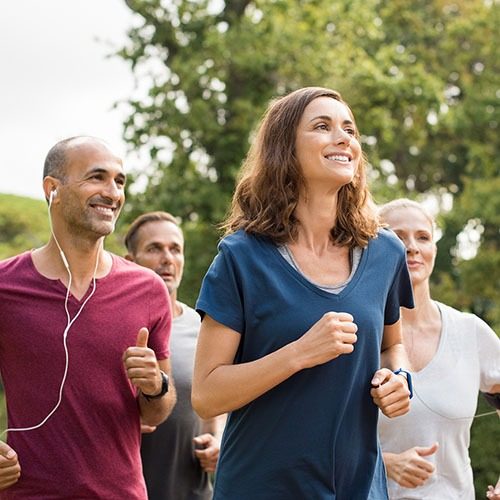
(420, 76)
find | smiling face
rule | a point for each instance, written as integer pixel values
(415, 230)
(326, 145)
(160, 247)
(92, 193)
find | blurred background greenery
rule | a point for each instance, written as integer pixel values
(421, 77)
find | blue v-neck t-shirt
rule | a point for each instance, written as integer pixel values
(313, 436)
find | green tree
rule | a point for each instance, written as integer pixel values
(419, 75)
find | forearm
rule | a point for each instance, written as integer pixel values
(155, 411)
(394, 357)
(229, 387)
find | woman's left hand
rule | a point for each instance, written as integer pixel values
(390, 393)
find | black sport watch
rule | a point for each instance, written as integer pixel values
(164, 388)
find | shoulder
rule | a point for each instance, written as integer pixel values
(244, 247)
(455, 315)
(123, 268)
(465, 321)
(387, 248)
(15, 263)
(240, 240)
(386, 239)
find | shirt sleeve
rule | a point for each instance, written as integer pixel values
(220, 295)
(160, 319)
(489, 355)
(400, 293)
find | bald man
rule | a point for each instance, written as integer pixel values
(84, 342)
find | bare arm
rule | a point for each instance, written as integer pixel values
(390, 392)
(219, 386)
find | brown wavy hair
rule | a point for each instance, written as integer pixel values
(267, 191)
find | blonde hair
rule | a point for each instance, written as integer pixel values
(395, 205)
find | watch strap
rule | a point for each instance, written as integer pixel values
(164, 388)
(408, 379)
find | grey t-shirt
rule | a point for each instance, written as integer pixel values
(171, 470)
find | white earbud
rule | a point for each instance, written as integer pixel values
(52, 195)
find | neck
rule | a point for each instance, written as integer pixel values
(317, 216)
(84, 259)
(175, 305)
(425, 309)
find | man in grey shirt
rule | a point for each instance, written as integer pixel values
(180, 454)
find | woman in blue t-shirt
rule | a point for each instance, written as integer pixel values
(301, 331)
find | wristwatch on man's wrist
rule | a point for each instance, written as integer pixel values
(164, 388)
(406, 374)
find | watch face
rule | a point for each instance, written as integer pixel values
(164, 383)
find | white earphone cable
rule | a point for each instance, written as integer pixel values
(70, 322)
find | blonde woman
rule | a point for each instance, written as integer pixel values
(453, 356)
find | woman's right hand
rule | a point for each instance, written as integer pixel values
(331, 336)
(493, 492)
(410, 469)
(10, 470)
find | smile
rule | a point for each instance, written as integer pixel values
(107, 211)
(340, 158)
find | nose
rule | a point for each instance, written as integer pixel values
(343, 137)
(411, 246)
(166, 256)
(113, 191)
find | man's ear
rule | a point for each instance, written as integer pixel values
(129, 257)
(50, 185)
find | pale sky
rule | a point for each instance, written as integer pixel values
(56, 82)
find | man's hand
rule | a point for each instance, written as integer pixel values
(207, 451)
(141, 365)
(390, 393)
(10, 470)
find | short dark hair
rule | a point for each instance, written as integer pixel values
(55, 161)
(131, 236)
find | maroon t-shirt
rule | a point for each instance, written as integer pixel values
(90, 447)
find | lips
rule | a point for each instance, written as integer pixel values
(414, 263)
(166, 274)
(340, 157)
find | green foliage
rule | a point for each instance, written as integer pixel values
(485, 436)
(23, 224)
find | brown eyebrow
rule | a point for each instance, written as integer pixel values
(100, 170)
(328, 118)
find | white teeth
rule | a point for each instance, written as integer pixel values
(104, 210)
(338, 158)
